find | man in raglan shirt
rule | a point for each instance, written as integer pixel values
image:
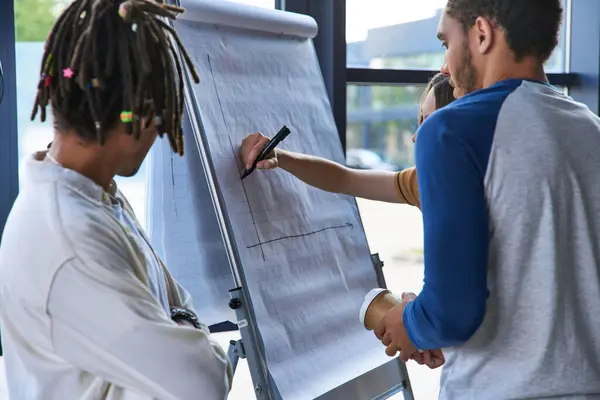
(509, 187)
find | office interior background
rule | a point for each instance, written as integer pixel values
(376, 57)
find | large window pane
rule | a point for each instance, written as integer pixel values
(401, 34)
(381, 121)
(33, 21)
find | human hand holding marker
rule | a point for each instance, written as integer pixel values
(258, 151)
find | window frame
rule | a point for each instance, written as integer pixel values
(9, 163)
(370, 76)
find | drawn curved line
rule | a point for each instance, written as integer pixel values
(346, 225)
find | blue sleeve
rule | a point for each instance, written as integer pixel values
(451, 159)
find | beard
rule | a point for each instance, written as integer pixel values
(464, 80)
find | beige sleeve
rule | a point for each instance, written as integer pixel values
(408, 187)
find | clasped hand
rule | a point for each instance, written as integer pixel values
(392, 333)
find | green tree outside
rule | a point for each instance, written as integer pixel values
(34, 19)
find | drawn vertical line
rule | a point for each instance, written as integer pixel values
(233, 151)
(173, 183)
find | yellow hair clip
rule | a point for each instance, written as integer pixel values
(123, 10)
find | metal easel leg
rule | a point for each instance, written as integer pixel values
(248, 347)
(378, 265)
(407, 391)
(235, 352)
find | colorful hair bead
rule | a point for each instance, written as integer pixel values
(49, 59)
(126, 117)
(68, 73)
(123, 10)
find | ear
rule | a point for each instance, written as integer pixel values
(484, 30)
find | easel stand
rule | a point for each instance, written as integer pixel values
(378, 384)
(238, 349)
(246, 348)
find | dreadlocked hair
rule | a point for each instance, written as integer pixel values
(108, 62)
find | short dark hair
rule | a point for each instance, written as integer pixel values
(114, 61)
(531, 26)
(442, 91)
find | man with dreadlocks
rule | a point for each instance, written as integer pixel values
(88, 311)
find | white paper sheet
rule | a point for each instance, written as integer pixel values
(303, 251)
(184, 229)
(248, 17)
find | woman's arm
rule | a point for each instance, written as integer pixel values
(408, 187)
(393, 187)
